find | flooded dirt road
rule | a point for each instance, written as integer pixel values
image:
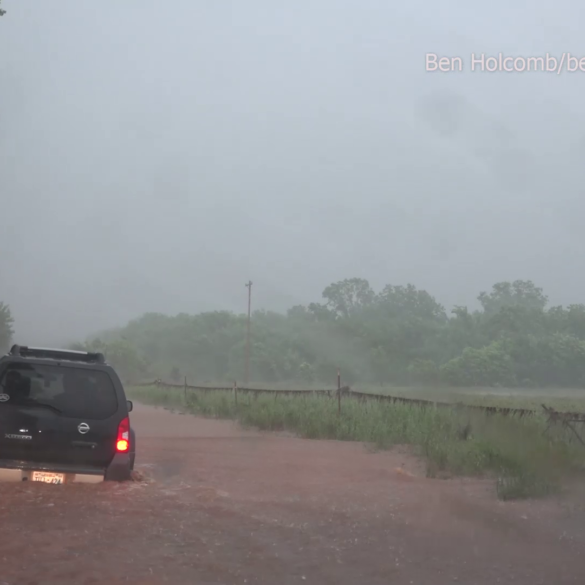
(219, 505)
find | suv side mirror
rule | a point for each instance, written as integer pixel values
(130, 405)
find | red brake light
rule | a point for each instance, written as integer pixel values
(123, 439)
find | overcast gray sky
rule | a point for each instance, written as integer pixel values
(154, 156)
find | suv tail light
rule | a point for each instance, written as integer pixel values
(123, 439)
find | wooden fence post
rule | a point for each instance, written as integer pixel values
(185, 390)
(236, 393)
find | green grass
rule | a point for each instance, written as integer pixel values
(513, 451)
(562, 399)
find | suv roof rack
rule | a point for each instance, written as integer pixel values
(57, 354)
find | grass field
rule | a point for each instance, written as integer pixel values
(523, 461)
(564, 400)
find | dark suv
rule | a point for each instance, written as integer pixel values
(63, 418)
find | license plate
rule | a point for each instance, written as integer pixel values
(55, 478)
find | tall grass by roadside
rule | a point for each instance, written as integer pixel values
(560, 399)
(514, 451)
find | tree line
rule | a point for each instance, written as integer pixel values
(398, 336)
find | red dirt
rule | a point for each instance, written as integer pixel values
(222, 505)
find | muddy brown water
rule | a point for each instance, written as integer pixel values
(217, 504)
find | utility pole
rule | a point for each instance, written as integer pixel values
(247, 376)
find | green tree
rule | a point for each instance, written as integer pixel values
(514, 321)
(120, 353)
(400, 335)
(518, 293)
(576, 320)
(125, 359)
(321, 313)
(6, 330)
(488, 366)
(401, 326)
(463, 329)
(2, 12)
(423, 372)
(408, 300)
(347, 296)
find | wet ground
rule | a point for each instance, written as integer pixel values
(220, 505)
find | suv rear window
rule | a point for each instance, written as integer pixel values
(71, 392)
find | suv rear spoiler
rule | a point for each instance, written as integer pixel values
(57, 354)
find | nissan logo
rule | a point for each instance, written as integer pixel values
(83, 428)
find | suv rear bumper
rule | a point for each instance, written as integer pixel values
(118, 470)
(23, 470)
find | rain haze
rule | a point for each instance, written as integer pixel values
(403, 402)
(154, 157)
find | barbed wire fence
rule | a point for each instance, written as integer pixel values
(345, 392)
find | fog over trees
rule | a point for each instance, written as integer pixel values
(179, 151)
